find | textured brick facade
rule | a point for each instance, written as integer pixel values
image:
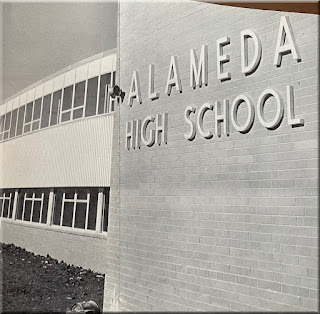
(221, 224)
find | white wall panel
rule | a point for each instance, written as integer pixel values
(23, 99)
(94, 68)
(9, 106)
(16, 102)
(3, 109)
(69, 78)
(82, 73)
(39, 91)
(58, 82)
(48, 87)
(31, 94)
(107, 64)
(73, 154)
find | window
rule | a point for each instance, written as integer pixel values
(76, 208)
(84, 99)
(28, 118)
(36, 114)
(45, 111)
(73, 102)
(2, 118)
(55, 109)
(6, 203)
(33, 205)
(91, 104)
(13, 123)
(105, 80)
(7, 125)
(20, 120)
(105, 210)
(67, 104)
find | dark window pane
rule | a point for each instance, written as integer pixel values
(105, 211)
(36, 211)
(37, 109)
(45, 208)
(57, 209)
(93, 210)
(20, 205)
(1, 202)
(11, 205)
(27, 128)
(114, 78)
(80, 218)
(2, 118)
(28, 116)
(27, 210)
(7, 125)
(91, 103)
(45, 111)
(104, 81)
(69, 193)
(37, 194)
(79, 94)
(55, 110)
(67, 214)
(2, 123)
(6, 207)
(82, 194)
(13, 123)
(77, 114)
(35, 125)
(20, 120)
(65, 116)
(67, 98)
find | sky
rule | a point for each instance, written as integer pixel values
(42, 38)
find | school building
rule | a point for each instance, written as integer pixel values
(199, 189)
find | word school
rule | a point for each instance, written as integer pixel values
(285, 44)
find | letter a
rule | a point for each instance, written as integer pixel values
(173, 76)
(134, 89)
(285, 35)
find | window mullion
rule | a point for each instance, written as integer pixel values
(85, 93)
(74, 209)
(24, 206)
(2, 205)
(87, 211)
(98, 89)
(73, 94)
(32, 205)
(41, 107)
(15, 129)
(9, 205)
(41, 207)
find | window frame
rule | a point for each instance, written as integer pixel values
(33, 199)
(4, 198)
(7, 131)
(75, 201)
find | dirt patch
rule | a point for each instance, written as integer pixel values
(34, 283)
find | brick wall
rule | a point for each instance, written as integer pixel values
(218, 224)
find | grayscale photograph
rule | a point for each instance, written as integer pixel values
(159, 156)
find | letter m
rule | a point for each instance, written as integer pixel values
(199, 70)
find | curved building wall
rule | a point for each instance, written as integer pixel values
(227, 220)
(56, 147)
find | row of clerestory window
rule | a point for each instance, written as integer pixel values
(84, 99)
